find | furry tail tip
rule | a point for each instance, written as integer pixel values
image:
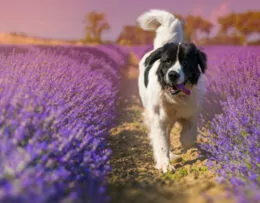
(154, 18)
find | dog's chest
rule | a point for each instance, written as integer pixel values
(179, 110)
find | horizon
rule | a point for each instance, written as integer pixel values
(63, 19)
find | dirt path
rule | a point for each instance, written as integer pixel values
(134, 178)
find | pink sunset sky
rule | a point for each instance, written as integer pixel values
(62, 19)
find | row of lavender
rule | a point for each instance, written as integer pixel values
(57, 105)
(233, 128)
(231, 117)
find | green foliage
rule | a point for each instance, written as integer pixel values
(176, 175)
(182, 172)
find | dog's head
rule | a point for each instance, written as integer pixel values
(179, 64)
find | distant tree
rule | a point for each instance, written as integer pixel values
(226, 23)
(95, 25)
(134, 35)
(192, 25)
(195, 24)
(23, 34)
(220, 39)
(183, 21)
(241, 25)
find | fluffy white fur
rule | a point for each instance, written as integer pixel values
(162, 110)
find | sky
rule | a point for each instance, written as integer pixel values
(63, 19)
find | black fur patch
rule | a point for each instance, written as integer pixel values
(190, 57)
(154, 56)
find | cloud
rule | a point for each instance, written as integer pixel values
(222, 10)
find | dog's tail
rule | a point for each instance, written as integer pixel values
(168, 28)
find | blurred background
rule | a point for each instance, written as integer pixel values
(60, 96)
(79, 22)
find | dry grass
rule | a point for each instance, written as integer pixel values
(6, 38)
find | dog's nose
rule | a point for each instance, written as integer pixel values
(173, 75)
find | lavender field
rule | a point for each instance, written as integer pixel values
(59, 105)
(233, 129)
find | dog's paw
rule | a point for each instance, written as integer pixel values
(174, 156)
(164, 166)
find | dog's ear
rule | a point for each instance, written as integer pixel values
(202, 57)
(154, 56)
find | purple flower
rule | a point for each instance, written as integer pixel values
(233, 128)
(55, 116)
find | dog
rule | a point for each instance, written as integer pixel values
(171, 85)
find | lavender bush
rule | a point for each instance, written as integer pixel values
(234, 131)
(116, 53)
(111, 55)
(57, 106)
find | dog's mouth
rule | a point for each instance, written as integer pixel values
(177, 88)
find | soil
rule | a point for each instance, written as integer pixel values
(134, 178)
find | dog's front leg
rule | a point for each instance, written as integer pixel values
(159, 135)
(189, 132)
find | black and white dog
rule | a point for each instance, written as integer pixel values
(171, 84)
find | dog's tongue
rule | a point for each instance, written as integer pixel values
(183, 88)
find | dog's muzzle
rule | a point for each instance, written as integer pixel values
(177, 88)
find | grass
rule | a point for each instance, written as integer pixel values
(175, 175)
(182, 172)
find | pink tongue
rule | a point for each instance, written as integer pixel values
(183, 88)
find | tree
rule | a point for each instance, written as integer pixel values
(192, 25)
(241, 25)
(195, 24)
(95, 26)
(183, 22)
(226, 23)
(134, 35)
